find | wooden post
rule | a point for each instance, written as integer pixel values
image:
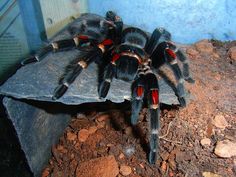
(33, 23)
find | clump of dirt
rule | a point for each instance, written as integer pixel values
(189, 136)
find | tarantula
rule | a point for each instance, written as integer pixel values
(129, 54)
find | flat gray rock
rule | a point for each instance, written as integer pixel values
(37, 119)
(37, 81)
(38, 127)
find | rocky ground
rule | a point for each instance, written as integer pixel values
(199, 140)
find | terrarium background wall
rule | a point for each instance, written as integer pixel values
(187, 20)
(58, 13)
(26, 25)
(13, 41)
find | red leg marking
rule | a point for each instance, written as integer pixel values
(107, 42)
(155, 97)
(83, 37)
(115, 57)
(140, 91)
(171, 53)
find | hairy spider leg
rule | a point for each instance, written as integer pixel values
(138, 89)
(161, 55)
(79, 64)
(146, 85)
(108, 75)
(89, 34)
(182, 57)
(172, 62)
(96, 27)
(152, 88)
(57, 46)
(159, 35)
(113, 17)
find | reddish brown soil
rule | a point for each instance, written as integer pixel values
(107, 134)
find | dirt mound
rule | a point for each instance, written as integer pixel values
(189, 136)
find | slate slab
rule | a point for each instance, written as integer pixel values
(38, 120)
(38, 127)
(37, 81)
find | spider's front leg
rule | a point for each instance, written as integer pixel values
(113, 17)
(159, 35)
(79, 64)
(171, 60)
(154, 114)
(182, 57)
(108, 75)
(138, 87)
(57, 46)
(146, 84)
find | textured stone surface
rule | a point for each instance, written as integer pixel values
(37, 81)
(38, 127)
(188, 21)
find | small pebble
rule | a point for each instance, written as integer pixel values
(70, 136)
(128, 131)
(217, 77)
(172, 164)
(234, 166)
(101, 125)
(225, 149)
(165, 155)
(163, 166)
(61, 149)
(141, 165)
(205, 142)
(46, 172)
(50, 162)
(171, 174)
(219, 121)
(190, 144)
(216, 55)
(110, 145)
(125, 170)
(83, 135)
(209, 174)
(232, 53)
(92, 129)
(121, 156)
(102, 117)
